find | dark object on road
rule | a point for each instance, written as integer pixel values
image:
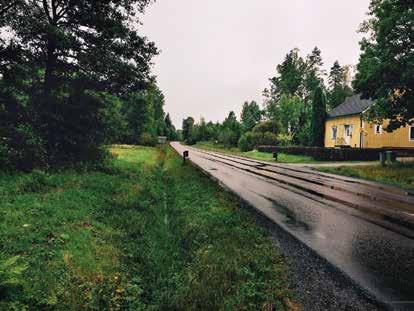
(185, 155)
(275, 156)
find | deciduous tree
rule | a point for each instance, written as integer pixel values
(385, 72)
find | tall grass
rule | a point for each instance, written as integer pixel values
(144, 234)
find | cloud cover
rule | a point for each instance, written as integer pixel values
(216, 54)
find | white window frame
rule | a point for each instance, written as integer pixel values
(410, 128)
(380, 129)
(333, 137)
(350, 129)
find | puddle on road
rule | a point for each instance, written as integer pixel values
(291, 217)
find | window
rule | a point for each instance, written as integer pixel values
(411, 132)
(378, 128)
(348, 130)
(334, 131)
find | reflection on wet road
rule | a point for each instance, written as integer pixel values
(363, 229)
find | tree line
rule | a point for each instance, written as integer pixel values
(74, 76)
(301, 93)
(293, 111)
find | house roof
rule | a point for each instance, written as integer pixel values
(351, 105)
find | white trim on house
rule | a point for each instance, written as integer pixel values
(379, 127)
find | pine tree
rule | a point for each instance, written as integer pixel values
(338, 87)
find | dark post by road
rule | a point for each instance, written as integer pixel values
(185, 155)
(275, 156)
(382, 158)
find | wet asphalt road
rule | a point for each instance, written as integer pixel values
(362, 229)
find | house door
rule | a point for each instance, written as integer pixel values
(348, 134)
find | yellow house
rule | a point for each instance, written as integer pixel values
(345, 127)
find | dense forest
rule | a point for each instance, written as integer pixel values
(75, 76)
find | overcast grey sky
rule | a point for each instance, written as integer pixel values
(216, 54)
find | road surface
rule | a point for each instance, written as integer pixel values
(364, 229)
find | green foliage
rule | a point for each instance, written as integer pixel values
(78, 80)
(188, 131)
(254, 154)
(289, 80)
(246, 142)
(304, 136)
(145, 234)
(290, 95)
(397, 174)
(146, 139)
(230, 131)
(250, 116)
(11, 274)
(269, 126)
(170, 130)
(21, 148)
(385, 72)
(290, 111)
(339, 89)
(285, 140)
(318, 119)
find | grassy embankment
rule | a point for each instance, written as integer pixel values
(145, 234)
(398, 174)
(282, 158)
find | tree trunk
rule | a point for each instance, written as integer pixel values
(51, 59)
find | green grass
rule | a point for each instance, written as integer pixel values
(282, 158)
(398, 174)
(144, 234)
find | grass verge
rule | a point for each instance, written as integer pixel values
(144, 234)
(263, 156)
(397, 174)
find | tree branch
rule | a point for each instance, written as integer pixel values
(5, 8)
(46, 9)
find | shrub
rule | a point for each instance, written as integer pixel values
(266, 138)
(269, 138)
(229, 137)
(268, 126)
(147, 139)
(22, 150)
(246, 142)
(284, 140)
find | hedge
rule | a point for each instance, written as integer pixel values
(337, 154)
